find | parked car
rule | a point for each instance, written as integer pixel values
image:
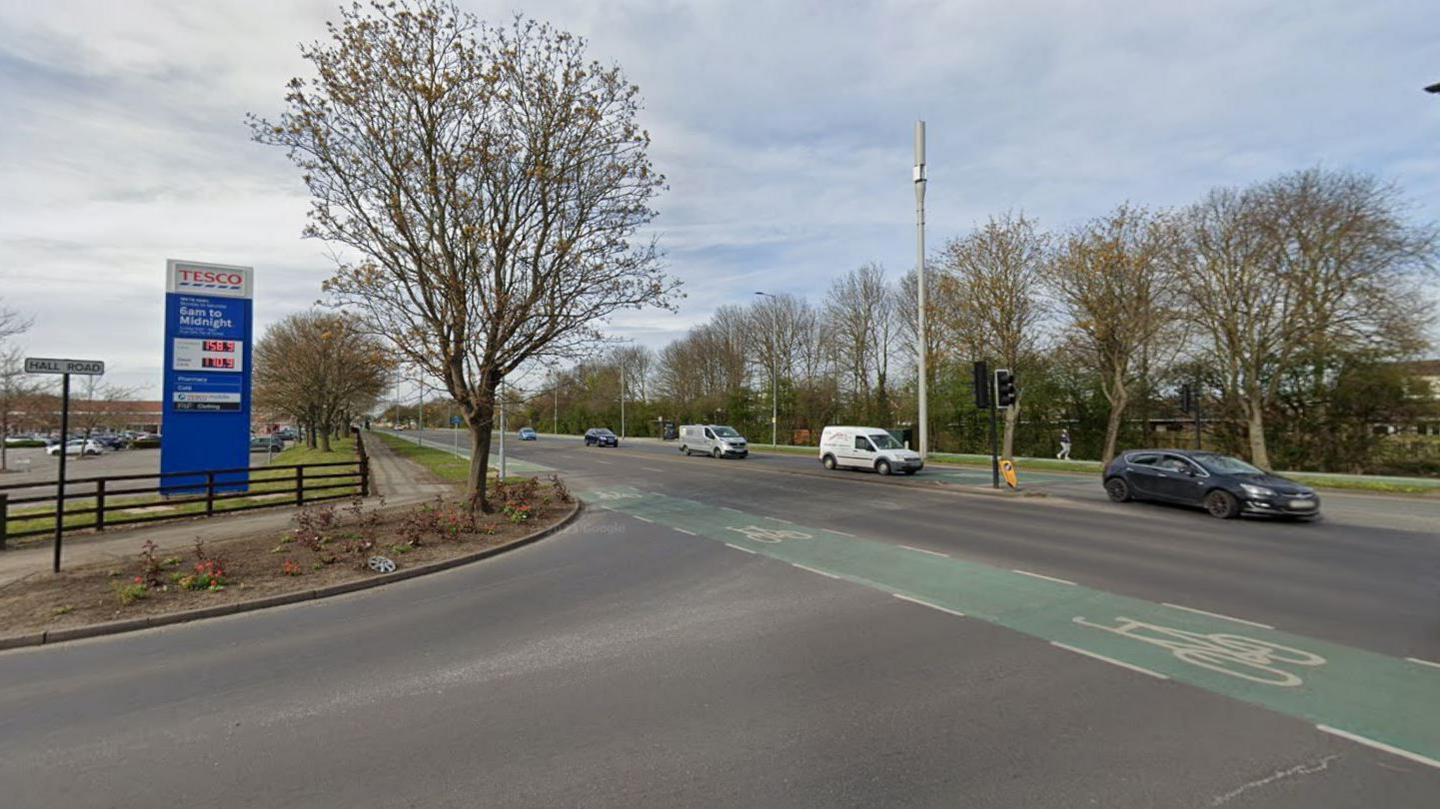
(600, 437)
(529, 434)
(267, 443)
(287, 434)
(1224, 486)
(867, 448)
(715, 440)
(76, 446)
(111, 441)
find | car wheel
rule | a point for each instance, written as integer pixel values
(1118, 489)
(883, 467)
(1222, 504)
(715, 453)
(828, 461)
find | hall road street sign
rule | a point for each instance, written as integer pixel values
(43, 365)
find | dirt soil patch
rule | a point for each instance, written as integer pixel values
(328, 544)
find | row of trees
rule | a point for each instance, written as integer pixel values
(1290, 305)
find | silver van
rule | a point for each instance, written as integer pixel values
(715, 440)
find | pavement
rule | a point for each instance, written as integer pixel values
(396, 480)
(737, 633)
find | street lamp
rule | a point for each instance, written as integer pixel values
(774, 391)
(920, 277)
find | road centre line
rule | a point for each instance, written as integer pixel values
(1217, 615)
(738, 548)
(956, 613)
(652, 469)
(1043, 576)
(925, 550)
(683, 531)
(1423, 662)
(607, 463)
(736, 510)
(778, 519)
(1157, 675)
(1378, 745)
(642, 519)
(841, 533)
(813, 570)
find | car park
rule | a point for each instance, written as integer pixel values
(867, 448)
(267, 443)
(715, 440)
(529, 434)
(1224, 486)
(76, 446)
(600, 437)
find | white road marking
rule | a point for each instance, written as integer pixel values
(642, 519)
(1042, 576)
(653, 469)
(1217, 615)
(736, 510)
(1379, 745)
(841, 533)
(813, 570)
(607, 463)
(683, 531)
(928, 604)
(777, 519)
(1122, 664)
(924, 550)
(1423, 662)
(738, 548)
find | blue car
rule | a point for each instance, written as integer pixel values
(600, 437)
(528, 434)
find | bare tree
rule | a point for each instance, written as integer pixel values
(779, 326)
(861, 333)
(15, 384)
(490, 183)
(997, 272)
(1116, 278)
(319, 368)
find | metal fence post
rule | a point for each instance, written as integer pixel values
(209, 493)
(100, 505)
(4, 518)
(300, 485)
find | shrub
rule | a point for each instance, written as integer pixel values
(130, 593)
(209, 575)
(150, 567)
(290, 567)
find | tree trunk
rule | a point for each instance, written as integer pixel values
(1255, 416)
(1113, 423)
(481, 423)
(309, 435)
(325, 439)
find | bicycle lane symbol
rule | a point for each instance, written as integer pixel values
(1236, 655)
(771, 536)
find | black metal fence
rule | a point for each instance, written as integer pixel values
(181, 495)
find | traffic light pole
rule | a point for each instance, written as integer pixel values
(995, 436)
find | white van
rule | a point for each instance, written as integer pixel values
(867, 448)
(715, 440)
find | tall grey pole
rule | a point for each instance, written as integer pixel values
(920, 281)
(774, 405)
(420, 417)
(622, 399)
(60, 481)
(555, 425)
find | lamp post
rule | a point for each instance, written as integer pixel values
(920, 278)
(420, 416)
(774, 392)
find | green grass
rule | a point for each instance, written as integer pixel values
(445, 465)
(261, 483)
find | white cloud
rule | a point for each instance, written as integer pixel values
(784, 129)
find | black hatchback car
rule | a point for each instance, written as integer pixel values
(1224, 486)
(600, 437)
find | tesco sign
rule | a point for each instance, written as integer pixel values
(209, 279)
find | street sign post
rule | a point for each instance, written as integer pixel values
(44, 365)
(208, 323)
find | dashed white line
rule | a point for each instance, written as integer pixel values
(813, 570)
(727, 508)
(642, 519)
(925, 550)
(683, 531)
(1122, 664)
(841, 533)
(778, 519)
(653, 469)
(1423, 662)
(738, 548)
(607, 463)
(1217, 615)
(1379, 745)
(928, 604)
(1042, 576)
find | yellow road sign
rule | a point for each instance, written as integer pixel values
(1008, 470)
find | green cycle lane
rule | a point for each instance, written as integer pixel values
(1355, 692)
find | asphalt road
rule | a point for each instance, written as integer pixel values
(721, 633)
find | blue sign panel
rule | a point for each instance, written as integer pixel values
(208, 337)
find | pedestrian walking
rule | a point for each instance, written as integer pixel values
(1064, 446)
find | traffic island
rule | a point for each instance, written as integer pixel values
(328, 550)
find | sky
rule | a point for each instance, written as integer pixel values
(784, 129)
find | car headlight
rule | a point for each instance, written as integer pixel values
(1257, 491)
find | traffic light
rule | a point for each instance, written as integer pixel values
(1004, 387)
(982, 386)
